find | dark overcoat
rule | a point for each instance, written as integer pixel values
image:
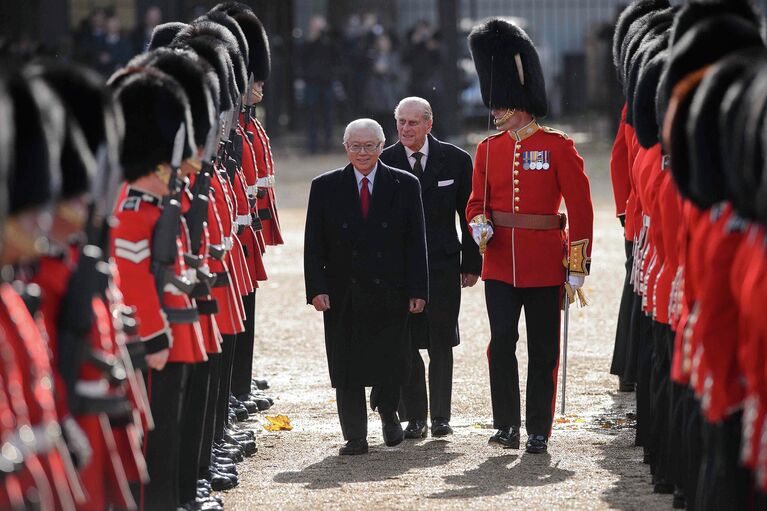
(369, 268)
(445, 188)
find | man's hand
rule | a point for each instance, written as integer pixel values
(157, 360)
(417, 305)
(321, 303)
(468, 279)
(576, 281)
(477, 230)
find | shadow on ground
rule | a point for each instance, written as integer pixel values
(620, 456)
(501, 474)
(379, 465)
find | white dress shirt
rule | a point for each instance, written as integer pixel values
(424, 150)
(371, 177)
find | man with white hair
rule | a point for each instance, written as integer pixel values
(444, 172)
(366, 269)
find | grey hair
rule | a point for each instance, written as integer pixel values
(369, 124)
(415, 100)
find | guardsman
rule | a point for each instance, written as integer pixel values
(256, 165)
(520, 177)
(48, 478)
(158, 133)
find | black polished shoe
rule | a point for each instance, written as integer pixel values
(537, 444)
(220, 482)
(208, 504)
(440, 427)
(416, 429)
(626, 386)
(506, 437)
(663, 488)
(249, 405)
(354, 447)
(392, 429)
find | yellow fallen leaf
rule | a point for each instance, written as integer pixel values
(278, 423)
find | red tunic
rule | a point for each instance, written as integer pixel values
(265, 165)
(619, 167)
(526, 257)
(137, 213)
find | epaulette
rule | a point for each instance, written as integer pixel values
(493, 136)
(553, 131)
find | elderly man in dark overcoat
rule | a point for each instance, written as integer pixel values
(444, 172)
(366, 269)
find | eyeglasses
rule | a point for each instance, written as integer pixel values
(368, 148)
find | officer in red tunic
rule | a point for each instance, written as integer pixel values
(520, 177)
(155, 109)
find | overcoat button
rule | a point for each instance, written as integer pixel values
(344, 225)
(377, 281)
(384, 225)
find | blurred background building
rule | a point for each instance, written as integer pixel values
(334, 60)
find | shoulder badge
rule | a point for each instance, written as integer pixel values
(553, 131)
(131, 203)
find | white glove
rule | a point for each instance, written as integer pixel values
(476, 231)
(77, 442)
(576, 281)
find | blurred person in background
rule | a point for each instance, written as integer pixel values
(143, 33)
(382, 86)
(423, 58)
(317, 74)
(89, 38)
(116, 48)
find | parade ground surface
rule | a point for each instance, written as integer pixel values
(592, 463)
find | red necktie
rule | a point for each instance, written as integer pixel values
(365, 198)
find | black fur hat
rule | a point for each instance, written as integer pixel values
(675, 134)
(707, 181)
(508, 66)
(731, 112)
(193, 74)
(164, 34)
(35, 176)
(154, 106)
(654, 41)
(258, 43)
(647, 27)
(87, 98)
(749, 169)
(232, 26)
(697, 10)
(635, 10)
(703, 45)
(214, 54)
(226, 40)
(646, 124)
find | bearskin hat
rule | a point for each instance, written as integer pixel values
(214, 54)
(635, 10)
(92, 105)
(707, 181)
(258, 43)
(508, 66)
(224, 38)
(232, 26)
(648, 45)
(698, 10)
(193, 74)
(749, 169)
(646, 124)
(154, 106)
(703, 45)
(35, 176)
(164, 34)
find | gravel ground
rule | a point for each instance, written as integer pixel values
(591, 463)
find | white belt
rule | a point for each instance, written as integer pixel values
(251, 190)
(228, 243)
(646, 220)
(92, 388)
(170, 288)
(37, 439)
(243, 220)
(265, 182)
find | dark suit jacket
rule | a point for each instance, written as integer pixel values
(369, 268)
(445, 188)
